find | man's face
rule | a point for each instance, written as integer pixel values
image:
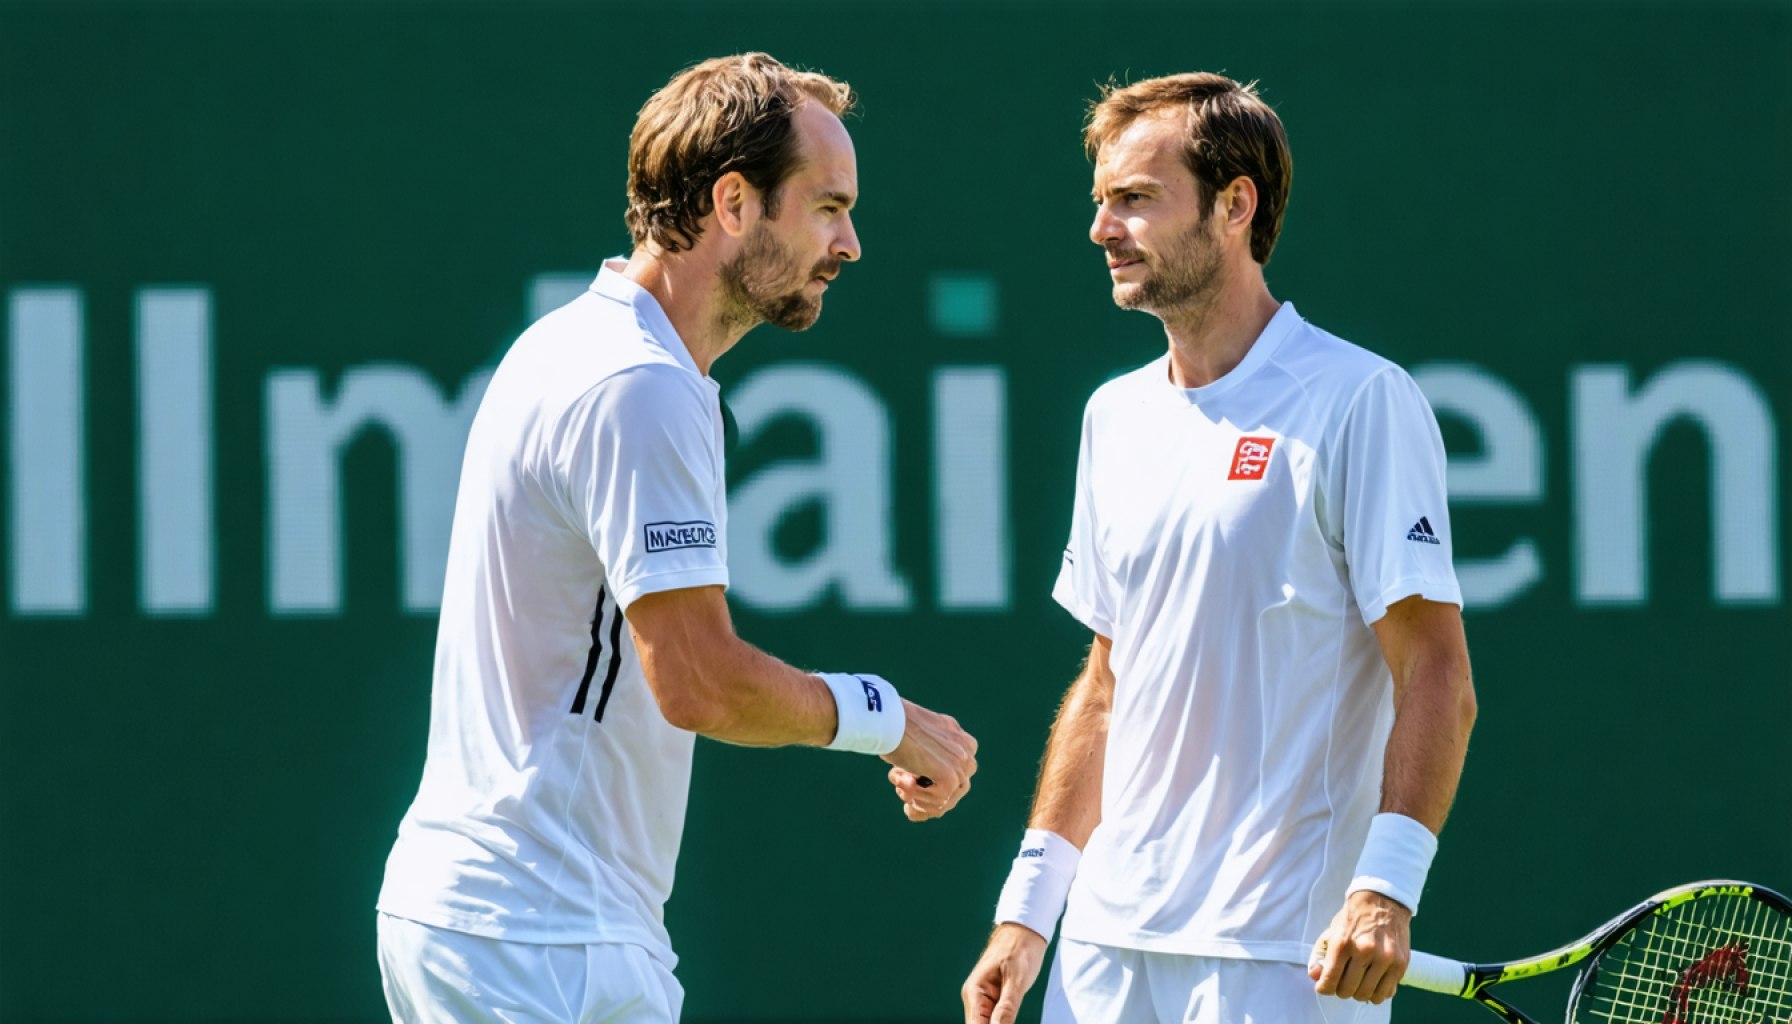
(784, 265)
(1162, 243)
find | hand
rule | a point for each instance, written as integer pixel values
(1363, 955)
(1008, 967)
(933, 749)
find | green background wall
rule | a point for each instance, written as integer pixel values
(195, 807)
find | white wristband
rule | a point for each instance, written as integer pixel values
(1039, 882)
(871, 715)
(1396, 858)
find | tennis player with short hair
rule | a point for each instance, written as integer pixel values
(530, 874)
(1269, 729)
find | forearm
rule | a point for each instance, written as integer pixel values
(1068, 800)
(1433, 715)
(755, 700)
(709, 681)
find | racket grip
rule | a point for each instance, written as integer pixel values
(1435, 974)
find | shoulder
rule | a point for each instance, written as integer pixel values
(647, 392)
(594, 351)
(1324, 362)
(1125, 390)
(1339, 377)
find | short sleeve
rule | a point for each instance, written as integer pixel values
(1084, 586)
(1392, 517)
(639, 457)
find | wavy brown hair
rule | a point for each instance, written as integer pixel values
(725, 114)
(1228, 133)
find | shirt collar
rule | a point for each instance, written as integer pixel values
(613, 286)
(1274, 333)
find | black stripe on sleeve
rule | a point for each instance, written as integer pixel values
(615, 661)
(597, 618)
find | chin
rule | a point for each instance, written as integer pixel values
(797, 317)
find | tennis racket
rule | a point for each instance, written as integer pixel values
(1715, 952)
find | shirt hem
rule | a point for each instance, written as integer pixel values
(485, 927)
(1084, 616)
(1442, 591)
(675, 579)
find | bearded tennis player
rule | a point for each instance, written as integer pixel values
(585, 642)
(1268, 732)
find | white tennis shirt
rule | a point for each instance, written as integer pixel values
(554, 791)
(1235, 541)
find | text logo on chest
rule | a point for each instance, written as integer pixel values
(1251, 458)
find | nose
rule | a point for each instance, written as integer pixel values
(846, 244)
(1106, 227)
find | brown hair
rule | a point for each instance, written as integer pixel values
(725, 114)
(1229, 133)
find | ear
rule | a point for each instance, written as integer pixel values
(736, 203)
(1236, 205)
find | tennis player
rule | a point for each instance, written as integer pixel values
(584, 638)
(1268, 732)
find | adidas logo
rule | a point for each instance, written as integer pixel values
(1421, 531)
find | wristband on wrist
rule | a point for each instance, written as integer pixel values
(871, 715)
(1039, 882)
(1396, 858)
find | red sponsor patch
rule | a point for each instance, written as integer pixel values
(1251, 458)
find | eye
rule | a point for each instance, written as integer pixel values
(1133, 198)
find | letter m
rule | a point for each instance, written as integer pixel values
(306, 436)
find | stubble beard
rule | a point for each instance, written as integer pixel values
(752, 280)
(1185, 276)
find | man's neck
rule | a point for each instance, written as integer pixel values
(689, 291)
(1209, 340)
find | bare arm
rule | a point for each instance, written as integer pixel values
(1068, 799)
(710, 681)
(1370, 940)
(1434, 709)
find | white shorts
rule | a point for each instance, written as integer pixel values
(436, 975)
(1093, 984)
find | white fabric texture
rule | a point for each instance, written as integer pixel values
(1396, 858)
(1038, 882)
(1092, 984)
(1235, 542)
(553, 794)
(440, 976)
(870, 714)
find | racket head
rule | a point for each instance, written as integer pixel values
(1717, 952)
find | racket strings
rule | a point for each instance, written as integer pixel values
(1720, 959)
(1718, 962)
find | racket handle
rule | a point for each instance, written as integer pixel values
(1436, 974)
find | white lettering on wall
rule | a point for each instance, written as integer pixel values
(47, 510)
(1616, 429)
(175, 535)
(306, 437)
(850, 478)
(970, 487)
(1507, 470)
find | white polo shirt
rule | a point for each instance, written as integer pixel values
(554, 791)
(1235, 541)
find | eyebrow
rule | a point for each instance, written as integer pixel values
(837, 197)
(1133, 184)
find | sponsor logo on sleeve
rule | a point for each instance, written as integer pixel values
(1421, 531)
(1033, 851)
(672, 536)
(1251, 458)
